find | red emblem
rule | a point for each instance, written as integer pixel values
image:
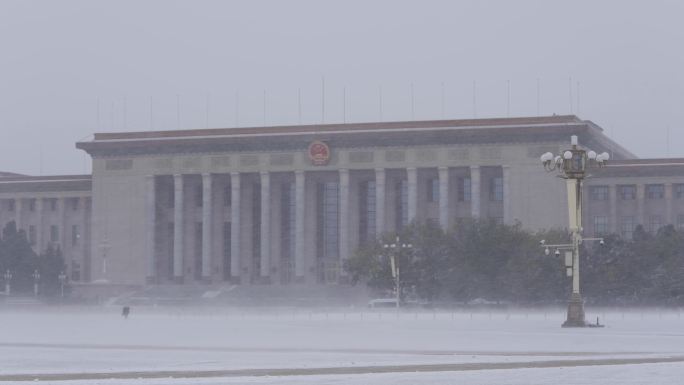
(319, 153)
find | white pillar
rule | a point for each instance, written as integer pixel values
(150, 223)
(379, 202)
(344, 216)
(669, 217)
(506, 179)
(178, 227)
(265, 224)
(475, 191)
(207, 228)
(39, 226)
(18, 213)
(235, 225)
(299, 225)
(412, 193)
(443, 173)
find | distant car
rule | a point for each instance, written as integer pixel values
(382, 302)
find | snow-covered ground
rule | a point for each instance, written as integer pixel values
(281, 346)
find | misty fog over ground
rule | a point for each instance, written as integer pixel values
(341, 345)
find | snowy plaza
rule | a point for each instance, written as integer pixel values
(338, 346)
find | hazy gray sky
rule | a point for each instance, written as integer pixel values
(59, 60)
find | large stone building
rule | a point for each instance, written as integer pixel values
(288, 204)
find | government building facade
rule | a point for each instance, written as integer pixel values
(289, 204)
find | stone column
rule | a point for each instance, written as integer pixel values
(61, 230)
(613, 220)
(640, 205)
(344, 216)
(150, 224)
(506, 178)
(207, 228)
(412, 193)
(669, 217)
(444, 197)
(235, 265)
(379, 202)
(17, 213)
(39, 226)
(299, 226)
(178, 227)
(475, 191)
(265, 224)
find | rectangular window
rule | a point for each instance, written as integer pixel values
(75, 271)
(401, 191)
(73, 203)
(10, 205)
(598, 193)
(433, 190)
(328, 219)
(54, 233)
(226, 250)
(655, 222)
(627, 226)
(53, 204)
(680, 222)
(679, 191)
(198, 196)
(496, 189)
(75, 235)
(287, 230)
(600, 225)
(367, 211)
(32, 204)
(171, 232)
(627, 192)
(32, 235)
(655, 191)
(256, 229)
(198, 250)
(464, 189)
(227, 196)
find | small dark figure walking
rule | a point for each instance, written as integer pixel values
(125, 311)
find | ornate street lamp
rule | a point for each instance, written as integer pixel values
(36, 278)
(572, 165)
(8, 278)
(62, 280)
(394, 249)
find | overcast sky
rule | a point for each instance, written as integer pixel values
(618, 63)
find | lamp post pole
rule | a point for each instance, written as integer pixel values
(572, 165)
(62, 280)
(393, 250)
(8, 278)
(36, 278)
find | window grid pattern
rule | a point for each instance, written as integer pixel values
(401, 189)
(600, 225)
(464, 189)
(598, 193)
(655, 191)
(496, 189)
(655, 222)
(679, 190)
(627, 192)
(627, 226)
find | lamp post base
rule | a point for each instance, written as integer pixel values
(575, 312)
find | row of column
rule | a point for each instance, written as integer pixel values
(265, 212)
